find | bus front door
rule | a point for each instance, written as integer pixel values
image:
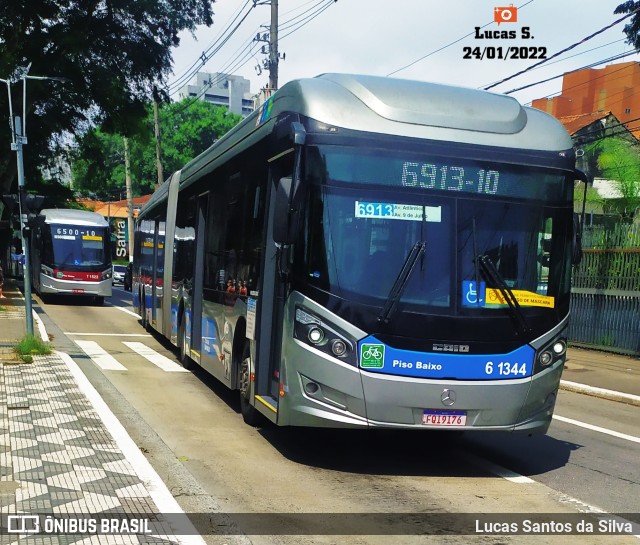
(198, 278)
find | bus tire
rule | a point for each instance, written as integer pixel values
(98, 300)
(185, 360)
(250, 414)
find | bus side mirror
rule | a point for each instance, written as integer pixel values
(283, 216)
(286, 210)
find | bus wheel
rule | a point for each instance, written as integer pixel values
(99, 301)
(185, 360)
(249, 413)
(143, 313)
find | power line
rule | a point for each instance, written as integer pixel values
(188, 73)
(448, 45)
(291, 22)
(586, 67)
(213, 49)
(572, 46)
(567, 58)
(319, 9)
(586, 51)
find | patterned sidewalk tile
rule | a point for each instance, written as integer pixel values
(61, 457)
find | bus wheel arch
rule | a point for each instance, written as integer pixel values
(243, 365)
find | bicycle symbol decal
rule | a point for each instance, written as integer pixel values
(372, 356)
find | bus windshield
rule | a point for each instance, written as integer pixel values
(365, 213)
(75, 247)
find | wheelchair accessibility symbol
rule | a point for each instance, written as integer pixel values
(470, 295)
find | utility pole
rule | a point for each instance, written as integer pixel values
(273, 47)
(127, 178)
(270, 38)
(156, 123)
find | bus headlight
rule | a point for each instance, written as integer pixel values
(551, 353)
(559, 347)
(324, 336)
(339, 348)
(545, 358)
(316, 335)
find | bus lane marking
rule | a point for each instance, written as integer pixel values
(127, 311)
(591, 427)
(154, 357)
(511, 476)
(100, 357)
(160, 494)
(497, 470)
(78, 334)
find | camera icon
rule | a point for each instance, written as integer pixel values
(505, 14)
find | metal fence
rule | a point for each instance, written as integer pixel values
(605, 295)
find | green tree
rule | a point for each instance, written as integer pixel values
(188, 128)
(97, 164)
(112, 52)
(619, 161)
(631, 29)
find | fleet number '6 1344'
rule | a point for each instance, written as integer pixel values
(505, 368)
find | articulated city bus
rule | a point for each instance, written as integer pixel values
(71, 254)
(371, 252)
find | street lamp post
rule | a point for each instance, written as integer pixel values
(23, 224)
(18, 139)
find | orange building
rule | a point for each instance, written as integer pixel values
(115, 209)
(609, 89)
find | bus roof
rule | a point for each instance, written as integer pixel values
(73, 217)
(423, 110)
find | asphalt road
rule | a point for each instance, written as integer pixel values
(191, 430)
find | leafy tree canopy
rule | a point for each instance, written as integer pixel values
(111, 52)
(619, 161)
(631, 29)
(188, 128)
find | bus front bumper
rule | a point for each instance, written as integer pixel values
(348, 397)
(50, 286)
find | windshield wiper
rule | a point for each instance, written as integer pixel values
(417, 251)
(493, 275)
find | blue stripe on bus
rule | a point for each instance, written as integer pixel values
(376, 357)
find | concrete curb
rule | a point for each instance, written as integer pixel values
(603, 393)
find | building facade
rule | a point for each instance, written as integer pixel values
(232, 92)
(593, 90)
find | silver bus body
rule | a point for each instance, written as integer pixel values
(291, 381)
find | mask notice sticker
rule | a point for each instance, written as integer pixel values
(488, 297)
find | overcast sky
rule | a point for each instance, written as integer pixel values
(411, 39)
